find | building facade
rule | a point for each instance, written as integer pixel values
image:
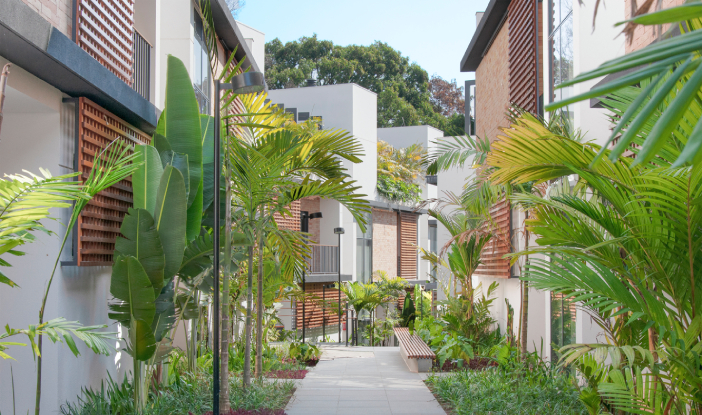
(85, 73)
(521, 51)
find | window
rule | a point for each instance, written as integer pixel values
(364, 251)
(433, 244)
(561, 53)
(562, 323)
(201, 67)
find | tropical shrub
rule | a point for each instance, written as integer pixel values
(398, 171)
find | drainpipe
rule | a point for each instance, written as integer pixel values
(536, 43)
(3, 83)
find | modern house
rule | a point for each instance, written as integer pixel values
(520, 52)
(85, 73)
(389, 243)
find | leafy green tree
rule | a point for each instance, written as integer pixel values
(404, 97)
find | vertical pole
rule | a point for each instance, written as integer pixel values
(338, 266)
(348, 328)
(215, 265)
(324, 309)
(304, 300)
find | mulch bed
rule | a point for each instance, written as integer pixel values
(478, 363)
(287, 374)
(250, 412)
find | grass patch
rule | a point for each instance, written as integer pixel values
(502, 392)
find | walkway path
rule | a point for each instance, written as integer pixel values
(363, 381)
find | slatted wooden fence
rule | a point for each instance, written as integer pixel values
(407, 252)
(105, 29)
(492, 262)
(98, 225)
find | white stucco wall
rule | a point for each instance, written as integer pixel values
(256, 41)
(34, 135)
(177, 37)
(347, 107)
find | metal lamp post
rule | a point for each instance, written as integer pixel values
(339, 232)
(305, 227)
(245, 83)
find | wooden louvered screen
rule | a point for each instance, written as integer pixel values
(407, 251)
(290, 222)
(98, 225)
(105, 29)
(492, 262)
(318, 310)
(523, 47)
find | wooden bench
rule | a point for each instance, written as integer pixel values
(416, 354)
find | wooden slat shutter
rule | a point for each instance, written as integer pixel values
(105, 29)
(315, 314)
(492, 263)
(407, 251)
(523, 49)
(98, 225)
(291, 223)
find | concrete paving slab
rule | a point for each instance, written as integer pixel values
(363, 380)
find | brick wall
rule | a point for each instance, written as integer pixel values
(385, 241)
(492, 87)
(311, 205)
(644, 35)
(57, 12)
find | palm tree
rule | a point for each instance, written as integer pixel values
(272, 167)
(625, 243)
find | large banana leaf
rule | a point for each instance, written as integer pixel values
(146, 178)
(180, 162)
(142, 340)
(142, 242)
(132, 288)
(197, 258)
(194, 216)
(170, 218)
(165, 313)
(182, 121)
(207, 130)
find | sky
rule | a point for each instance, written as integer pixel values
(434, 34)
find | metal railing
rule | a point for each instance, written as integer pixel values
(141, 71)
(324, 259)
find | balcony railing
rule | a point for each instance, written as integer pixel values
(432, 180)
(141, 69)
(324, 260)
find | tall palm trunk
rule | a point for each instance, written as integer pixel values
(259, 310)
(226, 335)
(524, 309)
(249, 300)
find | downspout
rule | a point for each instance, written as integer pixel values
(3, 84)
(536, 44)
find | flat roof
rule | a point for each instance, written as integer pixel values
(230, 35)
(490, 23)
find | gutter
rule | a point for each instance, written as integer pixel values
(230, 35)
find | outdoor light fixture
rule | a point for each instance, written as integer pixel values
(340, 231)
(245, 83)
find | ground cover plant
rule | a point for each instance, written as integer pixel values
(189, 394)
(506, 391)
